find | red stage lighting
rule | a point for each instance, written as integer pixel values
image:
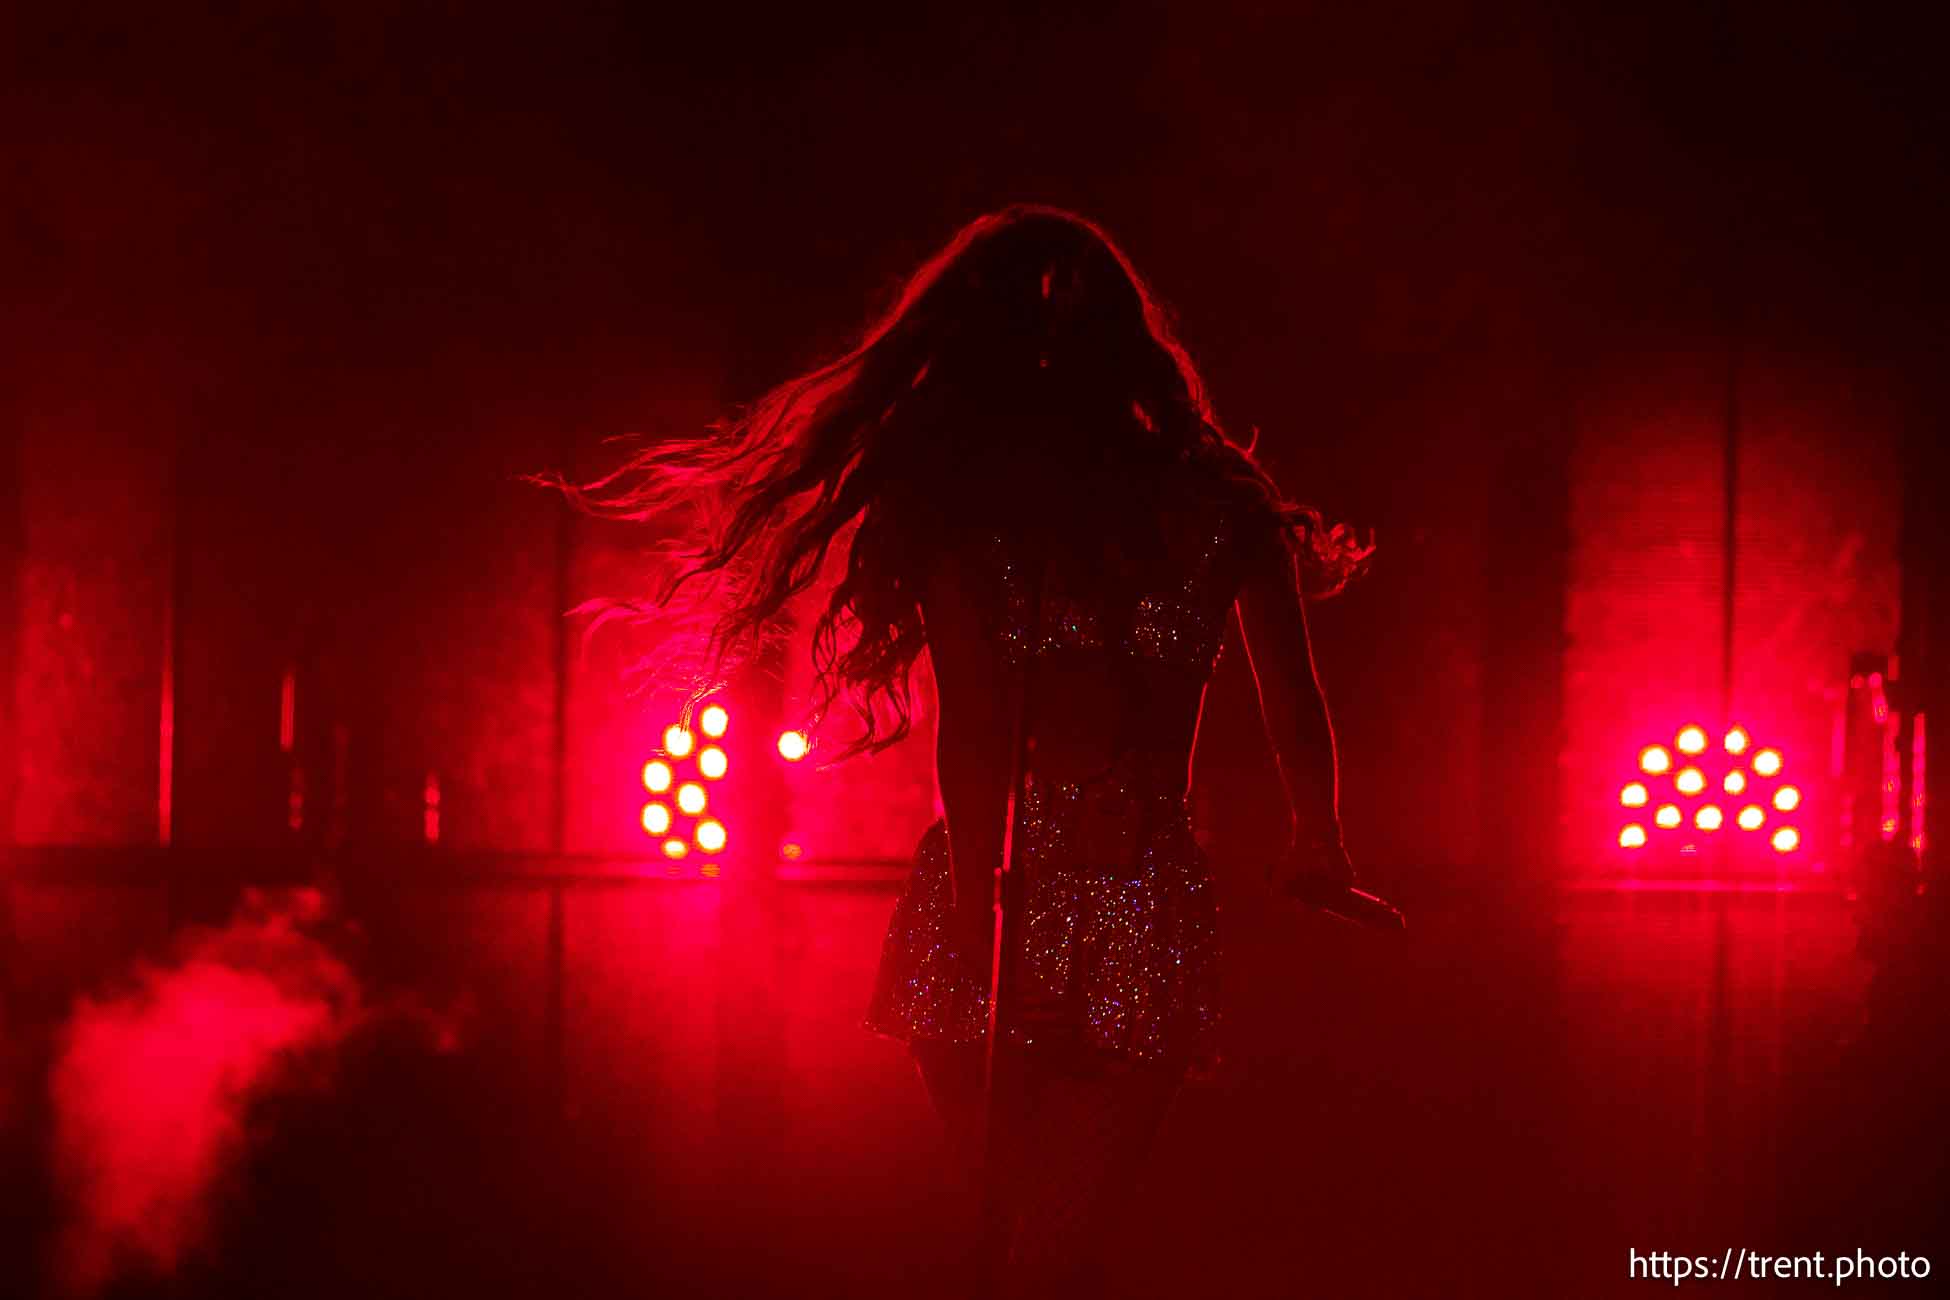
(793, 745)
(1707, 769)
(677, 774)
(1918, 781)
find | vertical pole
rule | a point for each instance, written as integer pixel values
(564, 544)
(1003, 1076)
(1730, 537)
(555, 1049)
(13, 550)
(167, 749)
(555, 1012)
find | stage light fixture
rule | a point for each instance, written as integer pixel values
(677, 774)
(792, 745)
(1692, 777)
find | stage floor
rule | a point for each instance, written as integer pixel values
(664, 1090)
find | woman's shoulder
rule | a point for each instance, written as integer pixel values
(1225, 487)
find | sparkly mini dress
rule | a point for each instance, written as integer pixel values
(1118, 944)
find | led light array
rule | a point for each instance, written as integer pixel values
(1676, 789)
(664, 778)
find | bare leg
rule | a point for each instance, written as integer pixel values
(1078, 1138)
(1089, 1131)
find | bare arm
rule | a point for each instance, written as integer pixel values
(974, 754)
(1273, 628)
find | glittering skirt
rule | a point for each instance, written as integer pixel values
(1119, 948)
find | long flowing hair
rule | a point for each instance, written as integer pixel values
(1025, 351)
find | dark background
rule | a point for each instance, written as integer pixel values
(292, 293)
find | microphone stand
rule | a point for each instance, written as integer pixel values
(1002, 1072)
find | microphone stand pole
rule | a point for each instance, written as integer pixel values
(1002, 1072)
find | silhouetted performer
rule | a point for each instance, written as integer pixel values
(1046, 505)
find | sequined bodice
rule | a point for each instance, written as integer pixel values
(1175, 616)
